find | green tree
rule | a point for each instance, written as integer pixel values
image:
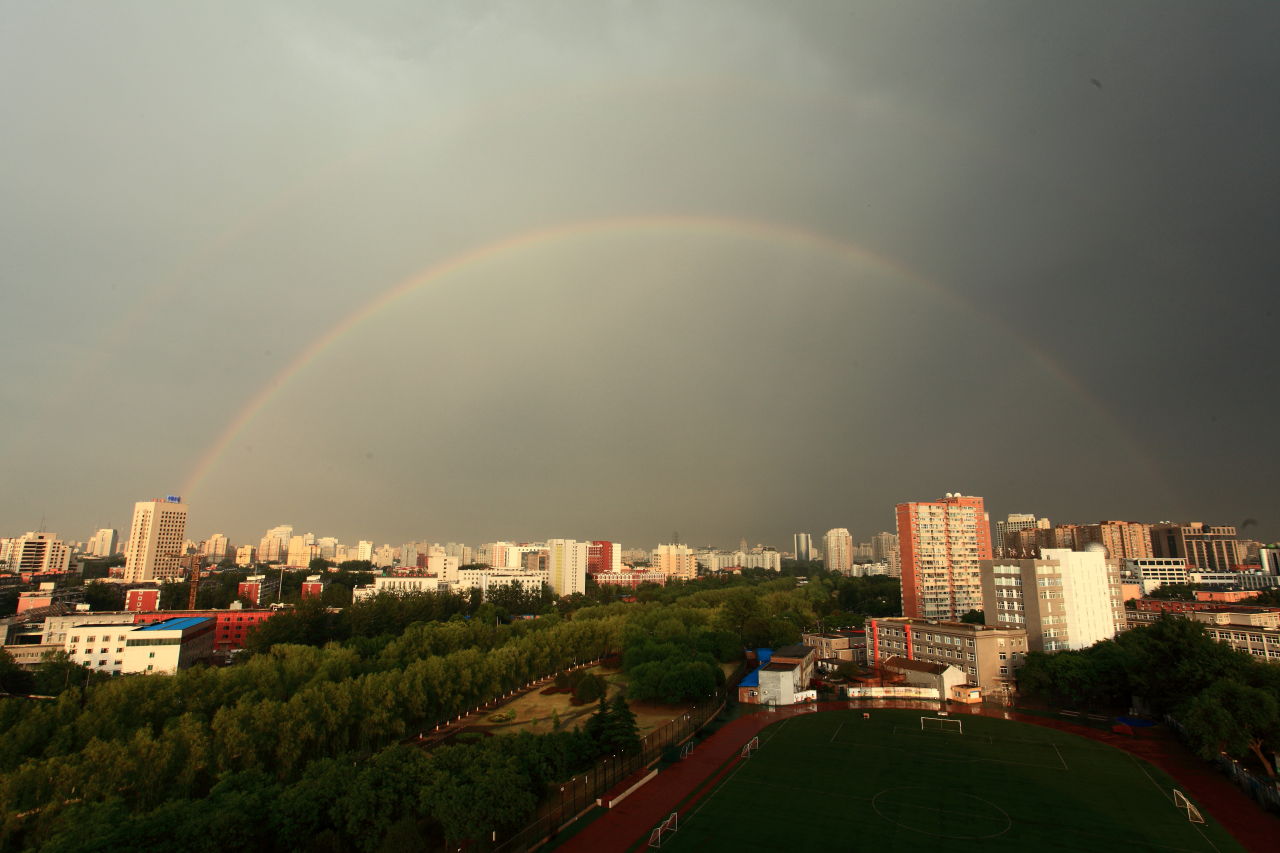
(13, 678)
(974, 617)
(1234, 718)
(620, 731)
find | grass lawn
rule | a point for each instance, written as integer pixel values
(834, 781)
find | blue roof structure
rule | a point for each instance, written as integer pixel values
(180, 623)
(764, 655)
(751, 679)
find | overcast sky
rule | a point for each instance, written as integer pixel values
(759, 267)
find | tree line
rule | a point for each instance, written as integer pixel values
(1226, 700)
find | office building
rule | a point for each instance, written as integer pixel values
(837, 546)
(941, 544)
(38, 553)
(1151, 573)
(1206, 547)
(803, 545)
(155, 540)
(1064, 599)
(988, 656)
(603, 556)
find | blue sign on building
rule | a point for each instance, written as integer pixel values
(173, 499)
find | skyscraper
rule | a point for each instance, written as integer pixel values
(941, 544)
(274, 547)
(803, 545)
(604, 556)
(155, 540)
(838, 547)
(1120, 538)
(1065, 599)
(38, 552)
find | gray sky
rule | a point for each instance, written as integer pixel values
(843, 255)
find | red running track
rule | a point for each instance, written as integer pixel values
(631, 822)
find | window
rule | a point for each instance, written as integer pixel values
(1003, 656)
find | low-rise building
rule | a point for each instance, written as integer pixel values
(835, 647)
(946, 678)
(988, 656)
(1249, 631)
(630, 579)
(166, 647)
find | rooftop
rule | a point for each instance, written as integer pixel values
(797, 650)
(780, 667)
(180, 624)
(916, 665)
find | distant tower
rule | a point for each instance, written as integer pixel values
(803, 546)
(838, 544)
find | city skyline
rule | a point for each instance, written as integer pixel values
(728, 268)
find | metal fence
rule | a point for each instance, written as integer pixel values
(1265, 792)
(569, 800)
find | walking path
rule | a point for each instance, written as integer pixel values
(630, 823)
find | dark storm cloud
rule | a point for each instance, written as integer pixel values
(193, 195)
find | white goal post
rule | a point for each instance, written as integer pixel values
(941, 724)
(1180, 800)
(752, 746)
(662, 830)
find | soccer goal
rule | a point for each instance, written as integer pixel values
(663, 830)
(1180, 800)
(942, 724)
(752, 746)
(686, 750)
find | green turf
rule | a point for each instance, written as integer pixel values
(834, 781)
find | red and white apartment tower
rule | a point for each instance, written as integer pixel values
(941, 544)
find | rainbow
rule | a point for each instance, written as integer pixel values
(772, 232)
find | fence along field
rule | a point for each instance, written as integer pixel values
(836, 780)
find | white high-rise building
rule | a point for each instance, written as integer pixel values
(215, 547)
(803, 544)
(838, 545)
(246, 555)
(274, 547)
(155, 540)
(364, 551)
(675, 561)
(1065, 600)
(567, 565)
(104, 543)
(328, 547)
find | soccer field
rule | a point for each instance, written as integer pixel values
(834, 781)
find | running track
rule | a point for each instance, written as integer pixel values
(631, 822)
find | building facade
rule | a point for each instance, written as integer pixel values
(567, 566)
(837, 547)
(942, 544)
(1205, 547)
(1064, 599)
(989, 656)
(155, 540)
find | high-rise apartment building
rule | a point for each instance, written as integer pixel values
(274, 547)
(1064, 600)
(104, 543)
(215, 547)
(1121, 539)
(1206, 547)
(155, 540)
(882, 545)
(246, 555)
(941, 544)
(838, 546)
(1002, 536)
(675, 561)
(1060, 536)
(567, 566)
(803, 544)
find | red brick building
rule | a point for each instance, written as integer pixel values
(230, 631)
